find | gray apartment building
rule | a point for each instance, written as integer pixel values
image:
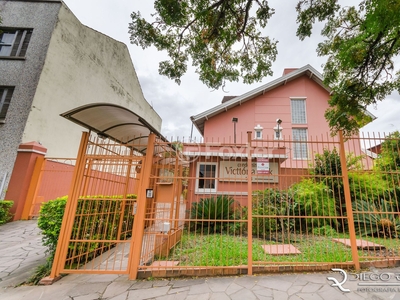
(50, 63)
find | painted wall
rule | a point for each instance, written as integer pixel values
(265, 109)
(82, 66)
(23, 73)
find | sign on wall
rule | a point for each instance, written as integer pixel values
(237, 171)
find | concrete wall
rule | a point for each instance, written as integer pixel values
(82, 66)
(23, 73)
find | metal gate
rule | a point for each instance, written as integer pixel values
(97, 229)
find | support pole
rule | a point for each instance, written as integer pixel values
(138, 224)
(349, 207)
(250, 208)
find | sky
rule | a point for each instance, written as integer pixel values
(176, 103)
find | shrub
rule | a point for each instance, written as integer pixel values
(314, 199)
(325, 231)
(370, 187)
(209, 212)
(5, 215)
(270, 202)
(376, 220)
(50, 218)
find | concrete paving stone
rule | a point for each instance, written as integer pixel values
(311, 287)
(103, 278)
(295, 297)
(186, 282)
(147, 293)
(262, 291)
(205, 296)
(247, 281)
(219, 296)
(354, 296)
(11, 262)
(279, 295)
(116, 288)
(294, 289)
(174, 296)
(158, 283)
(122, 296)
(333, 295)
(233, 288)
(219, 284)
(243, 294)
(275, 283)
(264, 298)
(179, 290)
(141, 285)
(310, 296)
(87, 288)
(318, 277)
(94, 296)
(199, 289)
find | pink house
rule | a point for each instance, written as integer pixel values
(285, 118)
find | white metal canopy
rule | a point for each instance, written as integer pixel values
(113, 121)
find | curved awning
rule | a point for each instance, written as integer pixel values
(113, 121)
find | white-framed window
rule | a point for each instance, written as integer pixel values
(206, 177)
(278, 133)
(258, 132)
(298, 107)
(14, 42)
(300, 149)
(5, 100)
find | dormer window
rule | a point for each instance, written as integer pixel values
(258, 132)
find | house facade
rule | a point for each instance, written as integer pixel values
(51, 63)
(285, 118)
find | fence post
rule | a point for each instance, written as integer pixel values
(349, 207)
(250, 208)
(33, 188)
(138, 223)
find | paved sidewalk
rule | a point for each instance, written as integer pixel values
(20, 251)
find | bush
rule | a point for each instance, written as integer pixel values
(5, 215)
(50, 218)
(370, 187)
(270, 202)
(314, 199)
(325, 231)
(377, 220)
(211, 211)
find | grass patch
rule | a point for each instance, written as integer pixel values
(227, 250)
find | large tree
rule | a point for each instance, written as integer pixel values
(224, 40)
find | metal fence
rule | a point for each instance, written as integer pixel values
(216, 208)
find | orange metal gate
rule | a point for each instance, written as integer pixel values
(97, 229)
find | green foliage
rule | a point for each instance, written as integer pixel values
(93, 210)
(5, 214)
(49, 221)
(388, 161)
(326, 230)
(222, 38)
(371, 187)
(209, 212)
(376, 220)
(361, 44)
(267, 204)
(314, 199)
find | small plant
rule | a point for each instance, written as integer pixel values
(325, 231)
(376, 220)
(210, 213)
(5, 215)
(314, 199)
